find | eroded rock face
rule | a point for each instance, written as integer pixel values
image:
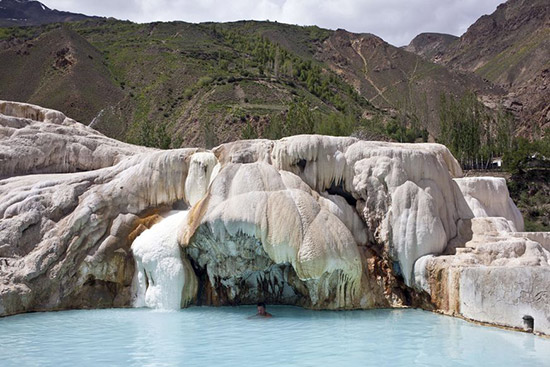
(39, 140)
(315, 221)
(500, 275)
(65, 238)
(489, 197)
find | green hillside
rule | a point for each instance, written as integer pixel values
(176, 84)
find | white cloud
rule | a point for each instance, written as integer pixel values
(396, 21)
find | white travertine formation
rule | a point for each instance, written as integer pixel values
(541, 237)
(489, 197)
(498, 277)
(203, 167)
(504, 295)
(163, 276)
(347, 214)
(39, 140)
(65, 238)
(405, 192)
(253, 200)
(316, 221)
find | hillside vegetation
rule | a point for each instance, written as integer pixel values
(176, 84)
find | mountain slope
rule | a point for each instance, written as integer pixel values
(200, 82)
(59, 69)
(204, 84)
(511, 48)
(395, 79)
(28, 12)
(431, 46)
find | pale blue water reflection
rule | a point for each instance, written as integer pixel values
(204, 336)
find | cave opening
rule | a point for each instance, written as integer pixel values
(529, 323)
(302, 164)
(338, 189)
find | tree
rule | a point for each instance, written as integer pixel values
(155, 137)
(464, 127)
(505, 132)
(210, 137)
(299, 119)
(249, 132)
(274, 129)
(163, 140)
(146, 135)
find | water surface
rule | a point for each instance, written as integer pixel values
(205, 336)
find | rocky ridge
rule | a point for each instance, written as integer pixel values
(30, 12)
(509, 47)
(431, 46)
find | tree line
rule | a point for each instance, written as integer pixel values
(476, 135)
(302, 118)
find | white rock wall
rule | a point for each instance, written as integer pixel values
(489, 197)
(406, 194)
(39, 140)
(504, 295)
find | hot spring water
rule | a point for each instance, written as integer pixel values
(207, 336)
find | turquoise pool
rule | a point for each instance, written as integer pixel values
(205, 336)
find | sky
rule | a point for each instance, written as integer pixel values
(396, 21)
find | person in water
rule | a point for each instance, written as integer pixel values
(262, 312)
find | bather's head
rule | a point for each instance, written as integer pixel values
(261, 308)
